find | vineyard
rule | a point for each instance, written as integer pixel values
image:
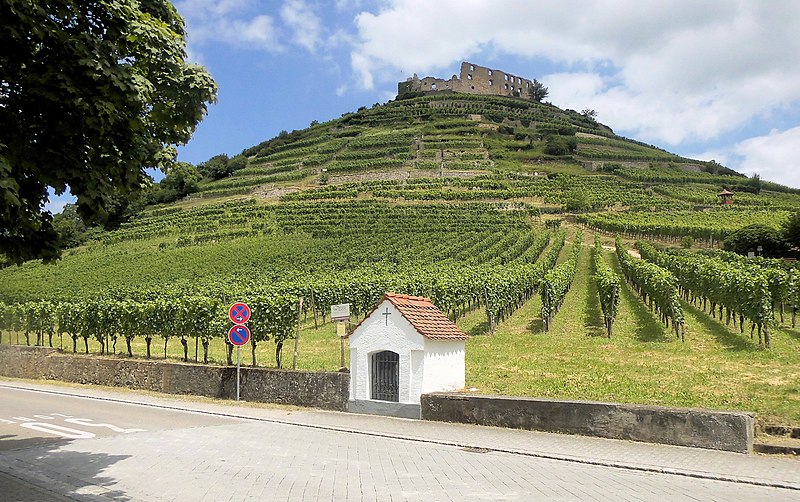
(455, 198)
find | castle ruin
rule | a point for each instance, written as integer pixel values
(474, 79)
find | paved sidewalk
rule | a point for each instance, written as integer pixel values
(136, 446)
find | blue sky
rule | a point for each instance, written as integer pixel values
(716, 79)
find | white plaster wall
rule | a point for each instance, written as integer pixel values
(444, 367)
(374, 335)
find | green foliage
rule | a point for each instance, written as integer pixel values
(183, 178)
(557, 282)
(577, 201)
(744, 291)
(70, 227)
(791, 230)
(657, 286)
(589, 114)
(713, 224)
(538, 91)
(93, 94)
(753, 184)
(560, 145)
(608, 287)
(220, 166)
(752, 237)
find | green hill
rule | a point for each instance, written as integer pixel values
(475, 202)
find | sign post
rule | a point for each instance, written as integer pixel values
(239, 334)
(341, 314)
(342, 332)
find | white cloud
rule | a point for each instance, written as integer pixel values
(773, 156)
(305, 24)
(229, 21)
(674, 72)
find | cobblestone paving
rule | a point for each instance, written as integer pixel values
(279, 454)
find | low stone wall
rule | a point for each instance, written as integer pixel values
(327, 390)
(717, 430)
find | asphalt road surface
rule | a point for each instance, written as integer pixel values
(55, 445)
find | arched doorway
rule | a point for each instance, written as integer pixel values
(386, 376)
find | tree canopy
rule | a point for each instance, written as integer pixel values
(791, 230)
(538, 91)
(92, 93)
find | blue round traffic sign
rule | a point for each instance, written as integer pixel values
(239, 313)
(239, 335)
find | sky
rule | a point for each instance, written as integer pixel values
(711, 79)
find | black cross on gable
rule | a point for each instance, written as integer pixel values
(387, 314)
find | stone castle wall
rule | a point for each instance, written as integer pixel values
(473, 79)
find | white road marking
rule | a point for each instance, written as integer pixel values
(86, 422)
(57, 430)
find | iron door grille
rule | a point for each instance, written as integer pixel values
(386, 376)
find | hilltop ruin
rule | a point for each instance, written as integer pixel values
(474, 79)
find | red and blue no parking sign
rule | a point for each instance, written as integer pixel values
(239, 313)
(239, 335)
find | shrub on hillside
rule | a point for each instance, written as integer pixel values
(749, 238)
(560, 145)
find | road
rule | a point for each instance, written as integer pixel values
(67, 443)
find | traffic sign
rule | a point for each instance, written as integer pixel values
(239, 335)
(239, 313)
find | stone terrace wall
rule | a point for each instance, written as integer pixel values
(325, 390)
(717, 430)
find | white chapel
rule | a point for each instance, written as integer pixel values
(404, 348)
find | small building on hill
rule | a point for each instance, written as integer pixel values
(404, 348)
(726, 197)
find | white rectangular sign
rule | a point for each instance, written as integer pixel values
(340, 312)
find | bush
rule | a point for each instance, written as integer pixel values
(791, 230)
(577, 201)
(610, 167)
(560, 145)
(749, 238)
(687, 242)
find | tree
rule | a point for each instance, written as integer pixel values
(577, 200)
(92, 92)
(753, 184)
(589, 114)
(538, 91)
(70, 227)
(560, 145)
(183, 178)
(751, 237)
(216, 167)
(791, 230)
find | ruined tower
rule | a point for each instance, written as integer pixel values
(473, 79)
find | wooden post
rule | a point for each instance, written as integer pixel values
(314, 309)
(297, 336)
(488, 310)
(340, 330)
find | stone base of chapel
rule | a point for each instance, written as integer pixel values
(386, 408)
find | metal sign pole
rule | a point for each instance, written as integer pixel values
(238, 367)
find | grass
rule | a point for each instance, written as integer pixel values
(717, 367)
(642, 363)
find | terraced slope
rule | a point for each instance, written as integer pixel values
(469, 200)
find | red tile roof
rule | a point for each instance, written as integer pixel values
(424, 316)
